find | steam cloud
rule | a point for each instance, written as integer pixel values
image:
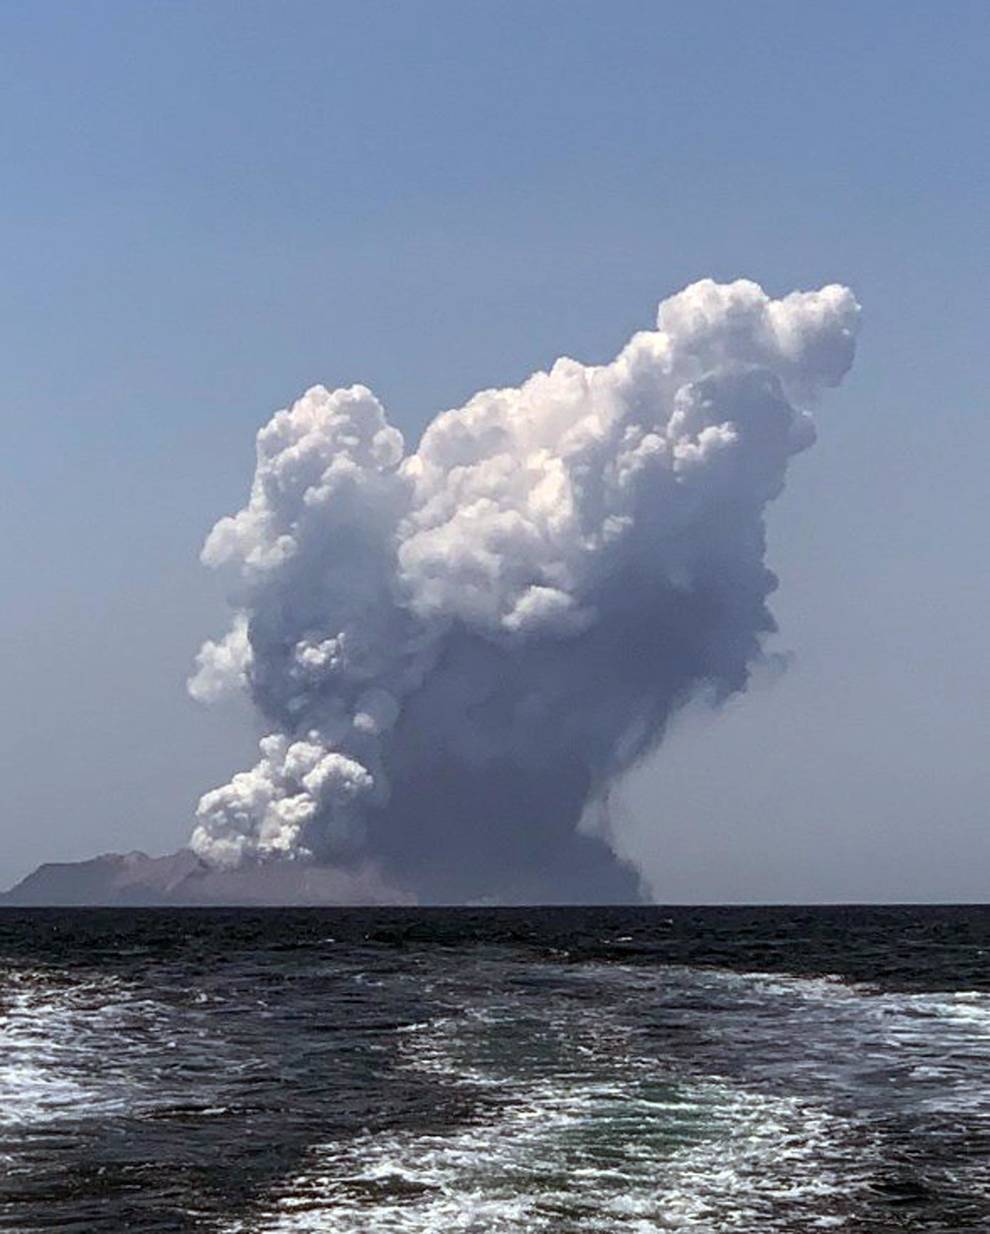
(458, 650)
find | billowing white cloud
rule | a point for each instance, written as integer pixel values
(222, 667)
(457, 650)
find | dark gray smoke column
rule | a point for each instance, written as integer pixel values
(457, 651)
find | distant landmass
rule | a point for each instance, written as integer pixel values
(181, 878)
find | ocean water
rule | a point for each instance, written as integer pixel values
(495, 1071)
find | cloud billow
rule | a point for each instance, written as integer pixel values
(458, 650)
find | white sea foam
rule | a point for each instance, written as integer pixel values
(78, 1048)
(588, 1158)
(593, 1133)
(604, 1098)
(921, 1048)
(54, 1060)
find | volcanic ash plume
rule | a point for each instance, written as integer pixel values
(456, 651)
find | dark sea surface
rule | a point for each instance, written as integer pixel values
(495, 1070)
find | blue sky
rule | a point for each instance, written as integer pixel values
(207, 208)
